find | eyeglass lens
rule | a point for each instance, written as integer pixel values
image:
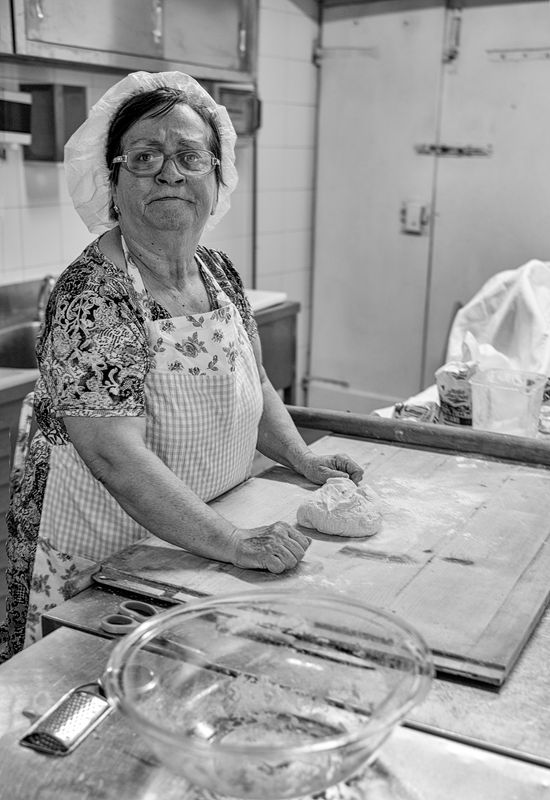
(149, 162)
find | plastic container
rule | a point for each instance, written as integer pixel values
(507, 401)
(455, 392)
(544, 416)
(269, 694)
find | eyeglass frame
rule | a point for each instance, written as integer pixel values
(123, 159)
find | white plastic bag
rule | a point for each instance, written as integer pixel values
(483, 356)
(510, 315)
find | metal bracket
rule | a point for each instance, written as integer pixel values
(321, 53)
(307, 379)
(467, 150)
(519, 54)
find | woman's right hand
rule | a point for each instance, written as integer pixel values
(275, 547)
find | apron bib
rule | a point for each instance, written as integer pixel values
(203, 403)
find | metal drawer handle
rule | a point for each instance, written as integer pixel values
(157, 21)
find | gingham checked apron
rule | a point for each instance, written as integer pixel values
(203, 404)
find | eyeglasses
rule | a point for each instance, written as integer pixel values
(150, 162)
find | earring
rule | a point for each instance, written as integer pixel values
(116, 209)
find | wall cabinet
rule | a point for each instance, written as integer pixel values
(61, 28)
(56, 112)
(209, 33)
(6, 35)
(209, 38)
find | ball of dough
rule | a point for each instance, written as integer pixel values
(341, 508)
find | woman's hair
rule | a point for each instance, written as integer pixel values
(155, 103)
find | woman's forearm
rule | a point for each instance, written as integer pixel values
(114, 450)
(150, 492)
(153, 496)
(278, 437)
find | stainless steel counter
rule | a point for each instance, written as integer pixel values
(114, 764)
(511, 720)
(11, 376)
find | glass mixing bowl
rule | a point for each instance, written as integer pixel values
(268, 694)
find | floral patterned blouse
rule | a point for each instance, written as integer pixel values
(93, 353)
(93, 357)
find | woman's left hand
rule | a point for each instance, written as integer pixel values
(318, 469)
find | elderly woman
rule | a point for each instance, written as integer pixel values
(152, 398)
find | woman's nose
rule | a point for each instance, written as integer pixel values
(169, 171)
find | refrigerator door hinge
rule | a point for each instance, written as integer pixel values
(317, 53)
(451, 49)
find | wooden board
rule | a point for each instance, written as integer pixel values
(463, 554)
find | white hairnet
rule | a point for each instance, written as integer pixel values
(85, 165)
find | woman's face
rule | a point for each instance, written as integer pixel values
(168, 200)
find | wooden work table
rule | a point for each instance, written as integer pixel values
(467, 740)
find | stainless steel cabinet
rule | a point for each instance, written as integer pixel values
(277, 329)
(6, 37)
(209, 32)
(86, 31)
(147, 34)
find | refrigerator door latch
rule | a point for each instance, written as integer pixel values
(414, 217)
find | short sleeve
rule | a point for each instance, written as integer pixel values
(94, 357)
(231, 282)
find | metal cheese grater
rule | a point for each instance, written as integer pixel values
(69, 721)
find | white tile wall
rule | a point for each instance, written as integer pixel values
(233, 234)
(40, 233)
(287, 84)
